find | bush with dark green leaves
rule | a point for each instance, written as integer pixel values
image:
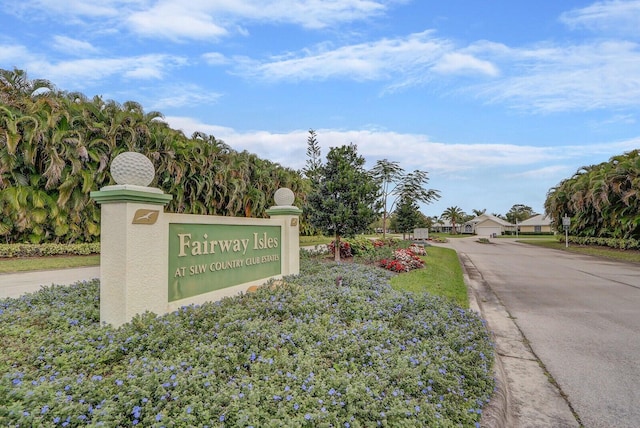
(310, 352)
(49, 249)
(619, 243)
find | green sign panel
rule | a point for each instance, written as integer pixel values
(209, 257)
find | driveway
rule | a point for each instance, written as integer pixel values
(580, 316)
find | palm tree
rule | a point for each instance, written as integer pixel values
(56, 147)
(454, 215)
(16, 89)
(603, 200)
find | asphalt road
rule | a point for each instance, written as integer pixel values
(581, 317)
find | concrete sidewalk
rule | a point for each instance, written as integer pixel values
(17, 284)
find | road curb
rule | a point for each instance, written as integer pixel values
(496, 413)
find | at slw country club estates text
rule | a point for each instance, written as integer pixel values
(207, 247)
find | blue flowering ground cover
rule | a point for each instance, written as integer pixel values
(303, 353)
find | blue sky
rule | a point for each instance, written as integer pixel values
(498, 100)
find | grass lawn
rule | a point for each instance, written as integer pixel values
(442, 276)
(448, 235)
(307, 241)
(47, 263)
(609, 253)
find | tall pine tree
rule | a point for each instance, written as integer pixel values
(345, 199)
(408, 215)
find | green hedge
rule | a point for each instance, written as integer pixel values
(619, 243)
(38, 250)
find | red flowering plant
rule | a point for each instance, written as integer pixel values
(403, 260)
(388, 242)
(345, 249)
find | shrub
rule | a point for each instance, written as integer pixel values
(440, 239)
(318, 250)
(361, 245)
(619, 243)
(345, 249)
(307, 353)
(387, 242)
(403, 260)
(418, 250)
(38, 250)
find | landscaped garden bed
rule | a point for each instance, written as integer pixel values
(309, 352)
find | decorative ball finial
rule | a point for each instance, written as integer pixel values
(132, 168)
(284, 197)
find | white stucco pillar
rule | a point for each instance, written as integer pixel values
(290, 216)
(133, 241)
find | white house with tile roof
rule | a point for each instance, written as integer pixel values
(487, 225)
(539, 223)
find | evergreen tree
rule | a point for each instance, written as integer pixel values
(345, 200)
(408, 215)
(314, 160)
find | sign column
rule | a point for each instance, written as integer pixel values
(133, 242)
(290, 215)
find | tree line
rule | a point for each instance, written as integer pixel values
(56, 147)
(601, 200)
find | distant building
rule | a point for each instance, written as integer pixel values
(536, 224)
(445, 226)
(487, 225)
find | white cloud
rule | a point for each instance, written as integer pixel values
(616, 119)
(460, 63)
(404, 60)
(175, 96)
(615, 17)
(549, 78)
(314, 14)
(86, 71)
(16, 54)
(413, 151)
(175, 20)
(545, 172)
(72, 8)
(215, 58)
(212, 19)
(72, 46)
(203, 19)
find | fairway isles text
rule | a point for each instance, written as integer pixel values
(205, 246)
(199, 248)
